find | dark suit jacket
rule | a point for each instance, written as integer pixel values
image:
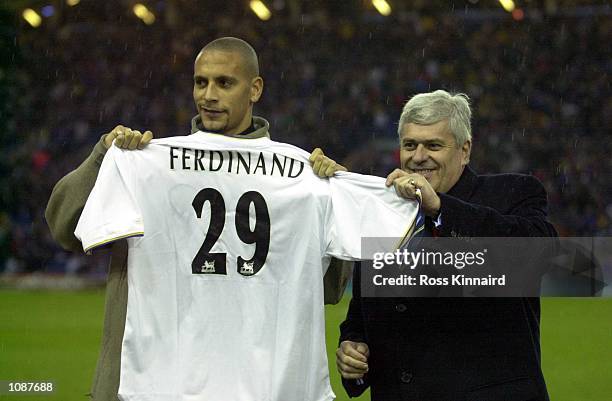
(459, 349)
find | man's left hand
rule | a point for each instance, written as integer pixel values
(322, 165)
(406, 185)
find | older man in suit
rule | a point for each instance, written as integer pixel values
(449, 349)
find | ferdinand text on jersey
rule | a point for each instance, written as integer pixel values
(231, 161)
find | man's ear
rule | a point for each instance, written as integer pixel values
(466, 150)
(256, 89)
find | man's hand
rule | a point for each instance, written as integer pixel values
(406, 185)
(322, 165)
(127, 138)
(352, 359)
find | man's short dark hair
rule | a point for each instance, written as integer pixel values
(235, 45)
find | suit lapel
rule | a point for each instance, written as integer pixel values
(466, 184)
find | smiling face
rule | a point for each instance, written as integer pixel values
(224, 92)
(431, 150)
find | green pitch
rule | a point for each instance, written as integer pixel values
(56, 335)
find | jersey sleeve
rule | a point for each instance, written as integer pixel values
(111, 212)
(364, 216)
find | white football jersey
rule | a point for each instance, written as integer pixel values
(229, 240)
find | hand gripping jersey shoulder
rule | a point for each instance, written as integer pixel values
(228, 242)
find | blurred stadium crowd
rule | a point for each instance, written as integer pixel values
(540, 89)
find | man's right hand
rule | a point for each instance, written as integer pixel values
(352, 359)
(127, 138)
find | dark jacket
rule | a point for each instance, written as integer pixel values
(459, 349)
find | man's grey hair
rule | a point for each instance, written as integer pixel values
(433, 107)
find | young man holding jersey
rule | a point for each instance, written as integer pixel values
(226, 85)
